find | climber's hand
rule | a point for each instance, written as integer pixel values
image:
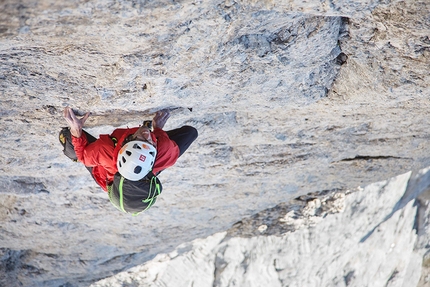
(160, 119)
(75, 124)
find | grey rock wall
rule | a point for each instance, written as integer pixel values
(289, 98)
(331, 239)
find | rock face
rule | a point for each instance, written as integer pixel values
(289, 97)
(335, 239)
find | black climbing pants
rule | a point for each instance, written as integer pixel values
(183, 137)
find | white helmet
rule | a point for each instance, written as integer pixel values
(135, 159)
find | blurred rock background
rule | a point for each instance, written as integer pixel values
(290, 98)
(325, 239)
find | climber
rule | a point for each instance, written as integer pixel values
(126, 163)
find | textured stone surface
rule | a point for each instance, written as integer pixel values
(338, 239)
(289, 98)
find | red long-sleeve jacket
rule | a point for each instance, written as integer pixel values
(102, 154)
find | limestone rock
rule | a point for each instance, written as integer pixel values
(290, 98)
(364, 243)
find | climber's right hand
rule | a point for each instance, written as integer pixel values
(75, 123)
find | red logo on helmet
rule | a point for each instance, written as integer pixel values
(142, 157)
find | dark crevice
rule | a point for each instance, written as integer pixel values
(369, 157)
(392, 277)
(348, 278)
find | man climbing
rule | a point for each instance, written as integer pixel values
(126, 162)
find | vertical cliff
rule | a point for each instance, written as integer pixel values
(331, 239)
(289, 98)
